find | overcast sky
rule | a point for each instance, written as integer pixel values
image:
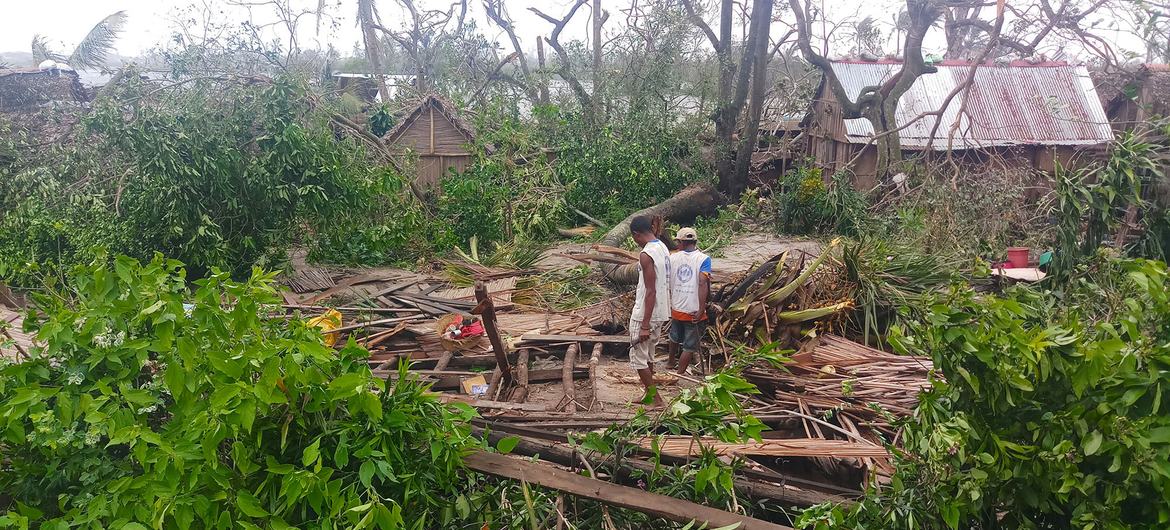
(151, 22)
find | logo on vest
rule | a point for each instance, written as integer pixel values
(685, 273)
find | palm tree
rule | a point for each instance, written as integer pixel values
(93, 50)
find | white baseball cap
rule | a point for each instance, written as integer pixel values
(687, 234)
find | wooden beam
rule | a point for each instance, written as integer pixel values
(551, 447)
(536, 338)
(668, 508)
(487, 310)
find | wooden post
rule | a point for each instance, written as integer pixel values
(521, 392)
(567, 377)
(487, 310)
(594, 360)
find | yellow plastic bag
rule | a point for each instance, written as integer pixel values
(328, 322)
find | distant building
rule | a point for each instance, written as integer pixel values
(365, 86)
(1028, 115)
(433, 130)
(27, 89)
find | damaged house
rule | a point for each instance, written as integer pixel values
(442, 140)
(27, 89)
(1027, 115)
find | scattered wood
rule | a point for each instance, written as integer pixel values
(687, 446)
(630, 468)
(345, 284)
(613, 494)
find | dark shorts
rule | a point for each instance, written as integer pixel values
(688, 334)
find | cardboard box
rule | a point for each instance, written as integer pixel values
(475, 386)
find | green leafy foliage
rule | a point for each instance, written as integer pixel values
(805, 204)
(1053, 413)
(155, 404)
(217, 175)
(624, 166)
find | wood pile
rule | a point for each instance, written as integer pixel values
(832, 410)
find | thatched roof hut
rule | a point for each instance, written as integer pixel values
(435, 132)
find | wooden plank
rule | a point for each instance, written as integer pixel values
(635, 499)
(500, 405)
(810, 447)
(552, 447)
(536, 338)
(487, 310)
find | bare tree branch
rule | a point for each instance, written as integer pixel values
(564, 69)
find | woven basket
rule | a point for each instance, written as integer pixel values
(453, 345)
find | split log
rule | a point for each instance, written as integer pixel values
(691, 202)
(668, 508)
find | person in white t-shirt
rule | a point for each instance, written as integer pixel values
(651, 304)
(689, 288)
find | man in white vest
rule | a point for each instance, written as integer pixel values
(651, 304)
(689, 290)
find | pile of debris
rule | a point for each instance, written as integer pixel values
(546, 376)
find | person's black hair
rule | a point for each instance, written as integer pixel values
(640, 224)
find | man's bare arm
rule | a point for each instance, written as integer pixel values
(649, 278)
(704, 292)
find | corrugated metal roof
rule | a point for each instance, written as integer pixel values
(1008, 105)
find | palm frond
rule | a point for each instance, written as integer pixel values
(96, 47)
(41, 51)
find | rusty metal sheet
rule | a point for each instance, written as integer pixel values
(1017, 104)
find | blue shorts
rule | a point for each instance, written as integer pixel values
(688, 334)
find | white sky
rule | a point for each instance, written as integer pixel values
(151, 22)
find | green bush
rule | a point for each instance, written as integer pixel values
(141, 412)
(806, 205)
(623, 167)
(472, 204)
(217, 174)
(1053, 413)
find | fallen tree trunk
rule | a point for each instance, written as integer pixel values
(668, 508)
(691, 202)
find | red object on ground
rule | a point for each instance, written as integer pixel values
(1018, 256)
(473, 329)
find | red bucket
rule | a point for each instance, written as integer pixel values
(1018, 257)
